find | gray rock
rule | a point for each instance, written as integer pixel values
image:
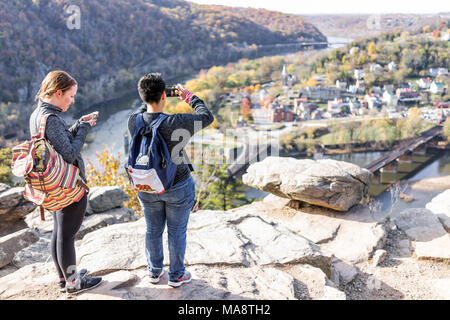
(226, 238)
(431, 241)
(332, 293)
(4, 187)
(100, 220)
(13, 243)
(351, 236)
(378, 257)
(337, 185)
(33, 221)
(208, 283)
(440, 206)
(419, 224)
(13, 205)
(102, 199)
(37, 252)
(345, 271)
(90, 223)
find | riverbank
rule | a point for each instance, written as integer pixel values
(432, 184)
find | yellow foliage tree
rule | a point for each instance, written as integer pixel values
(109, 175)
(311, 82)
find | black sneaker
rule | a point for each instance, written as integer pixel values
(83, 284)
(185, 278)
(62, 283)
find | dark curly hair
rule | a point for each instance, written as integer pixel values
(151, 87)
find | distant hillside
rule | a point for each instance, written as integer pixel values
(120, 39)
(359, 26)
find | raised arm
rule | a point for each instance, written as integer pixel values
(55, 132)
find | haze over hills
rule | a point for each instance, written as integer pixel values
(359, 26)
(119, 39)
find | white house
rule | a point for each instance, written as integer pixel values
(372, 102)
(341, 84)
(375, 67)
(354, 50)
(359, 73)
(377, 90)
(424, 83)
(361, 84)
(390, 98)
(442, 71)
(433, 72)
(392, 66)
(389, 87)
(352, 89)
(437, 87)
(354, 105)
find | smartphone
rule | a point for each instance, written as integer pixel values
(170, 91)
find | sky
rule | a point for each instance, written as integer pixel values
(338, 6)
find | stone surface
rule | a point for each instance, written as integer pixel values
(102, 199)
(440, 206)
(100, 220)
(436, 249)
(419, 224)
(328, 183)
(378, 257)
(90, 223)
(351, 236)
(442, 288)
(332, 293)
(431, 240)
(234, 239)
(345, 271)
(13, 205)
(36, 252)
(13, 243)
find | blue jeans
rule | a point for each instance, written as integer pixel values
(173, 206)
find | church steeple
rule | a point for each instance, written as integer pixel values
(284, 76)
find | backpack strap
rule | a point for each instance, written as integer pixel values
(139, 124)
(157, 122)
(41, 132)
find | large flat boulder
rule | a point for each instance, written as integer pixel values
(209, 282)
(337, 185)
(214, 238)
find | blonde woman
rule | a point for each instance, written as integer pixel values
(56, 95)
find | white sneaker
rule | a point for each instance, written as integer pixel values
(155, 279)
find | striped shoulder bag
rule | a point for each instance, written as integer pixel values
(51, 182)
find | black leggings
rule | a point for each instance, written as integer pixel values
(67, 222)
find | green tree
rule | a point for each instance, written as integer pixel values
(214, 191)
(5, 166)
